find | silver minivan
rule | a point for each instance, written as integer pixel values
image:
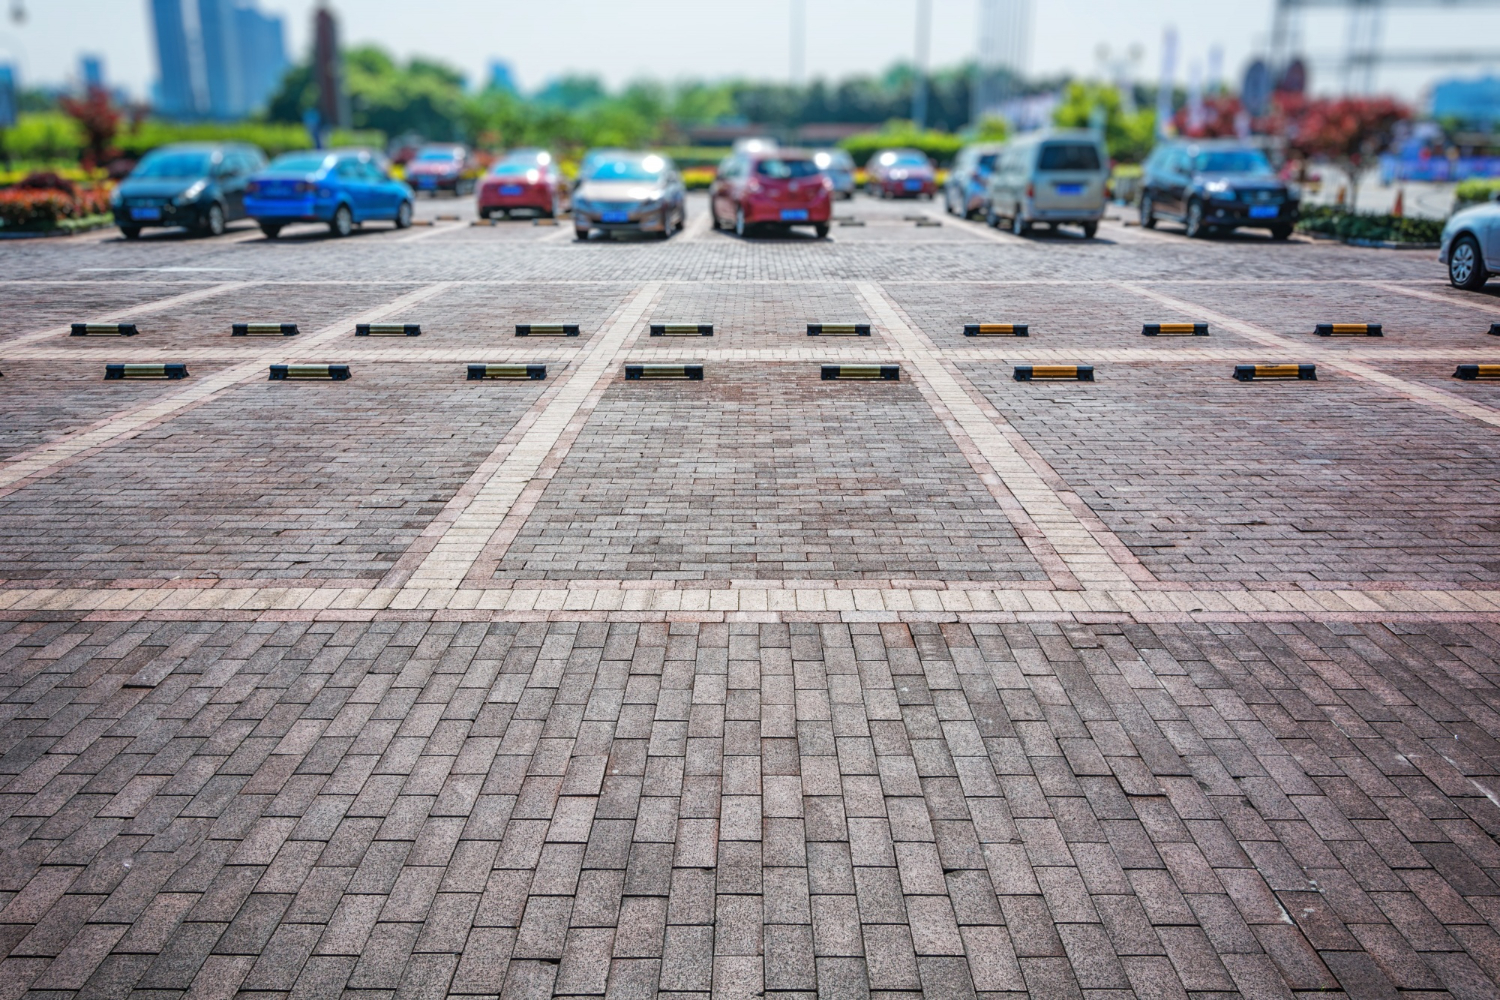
(1057, 177)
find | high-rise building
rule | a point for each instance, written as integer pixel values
(216, 58)
(91, 71)
(501, 77)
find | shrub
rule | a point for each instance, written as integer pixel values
(941, 147)
(44, 201)
(1333, 221)
(1475, 192)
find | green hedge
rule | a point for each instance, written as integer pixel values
(941, 147)
(1331, 221)
(50, 137)
(1475, 192)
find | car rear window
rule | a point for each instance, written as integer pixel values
(1232, 161)
(300, 162)
(783, 169)
(986, 163)
(1068, 156)
(173, 165)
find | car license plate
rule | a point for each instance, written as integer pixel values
(794, 215)
(615, 217)
(913, 185)
(511, 189)
(1070, 189)
(1264, 211)
(142, 214)
(426, 181)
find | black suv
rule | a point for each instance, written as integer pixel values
(200, 185)
(1214, 185)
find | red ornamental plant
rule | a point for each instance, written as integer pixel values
(1219, 120)
(1349, 132)
(100, 121)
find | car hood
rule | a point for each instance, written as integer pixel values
(1243, 182)
(620, 191)
(1487, 214)
(153, 187)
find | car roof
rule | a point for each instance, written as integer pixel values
(204, 147)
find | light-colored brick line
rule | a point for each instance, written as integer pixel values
(479, 514)
(766, 602)
(1090, 562)
(44, 460)
(1295, 351)
(1465, 300)
(120, 315)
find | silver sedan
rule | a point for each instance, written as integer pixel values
(1471, 246)
(635, 192)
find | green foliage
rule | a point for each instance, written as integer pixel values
(942, 147)
(45, 136)
(991, 129)
(1475, 191)
(423, 96)
(1129, 137)
(1333, 221)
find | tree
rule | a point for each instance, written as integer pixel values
(1129, 136)
(1221, 114)
(1350, 132)
(424, 96)
(99, 119)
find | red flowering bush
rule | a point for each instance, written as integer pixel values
(37, 203)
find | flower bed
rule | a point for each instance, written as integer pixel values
(1370, 229)
(43, 209)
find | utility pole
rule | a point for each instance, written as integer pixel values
(924, 43)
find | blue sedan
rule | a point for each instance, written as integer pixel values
(341, 187)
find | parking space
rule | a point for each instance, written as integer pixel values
(1209, 480)
(484, 315)
(762, 315)
(32, 306)
(272, 480)
(766, 472)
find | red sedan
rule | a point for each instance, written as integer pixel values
(781, 187)
(526, 179)
(901, 173)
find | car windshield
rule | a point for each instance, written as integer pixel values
(986, 163)
(907, 159)
(1068, 156)
(300, 163)
(783, 169)
(438, 154)
(173, 165)
(1232, 161)
(512, 168)
(835, 159)
(627, 168)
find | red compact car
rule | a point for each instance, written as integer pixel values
(525, 179)
(441, 166)
(782, 187)
(901, 173)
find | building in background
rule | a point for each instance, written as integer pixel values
(501, 77)
(1471, 103)
(91, 71)
(215, 58)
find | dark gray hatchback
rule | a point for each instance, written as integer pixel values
(200, 186)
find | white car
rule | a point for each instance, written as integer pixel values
(1471, 246)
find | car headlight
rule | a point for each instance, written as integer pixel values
(116, 199)
(191, 194)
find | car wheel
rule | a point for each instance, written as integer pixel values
(1465, 265)
(822, 230)
(1018, 224)
(1196, 230)
(1148, 212)
(213, 221)
(403, 215)
(739, 222)
(271, 229)
(1281, 233)
(556, 206)
(343, 221)
(713, 217)
(1090, 229)
(581, 233)
(131, 232)
(991, 217)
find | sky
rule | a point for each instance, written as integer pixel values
(671, 39)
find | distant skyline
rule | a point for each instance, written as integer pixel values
(672, 39)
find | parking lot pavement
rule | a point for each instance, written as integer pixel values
(1159, 684)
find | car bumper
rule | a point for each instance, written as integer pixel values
(818, 212)
(1066, 215)
(652, 221)
(1238, 214)
(432, 182)
(284, 210)
(168, 215)
(529, 199)
(900, 189)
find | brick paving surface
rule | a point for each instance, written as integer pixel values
(761, 686)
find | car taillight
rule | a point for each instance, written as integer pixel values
(1031, 190)
(532, 176)
(303, 187)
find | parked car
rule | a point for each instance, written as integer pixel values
(1216, 185)
(900, 173)
(193, 184)
(1471, 246)
(783, 187)
(341, 187)
(526, 179)
(441, 166)
(969, 179)
(1057, 177)
(629, 192)
(838, 166)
